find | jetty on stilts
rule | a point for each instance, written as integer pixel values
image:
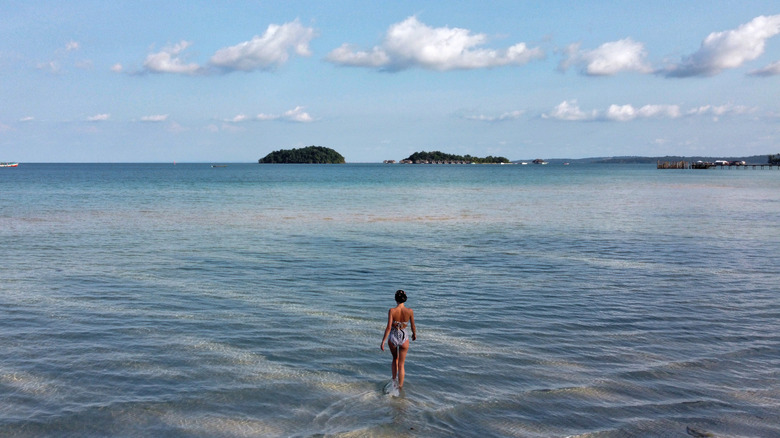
(706, 165)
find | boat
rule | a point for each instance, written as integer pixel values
(9, 164)
(219, 165)
(539, 161)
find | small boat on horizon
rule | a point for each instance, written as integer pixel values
(219, 165)
(10, 164)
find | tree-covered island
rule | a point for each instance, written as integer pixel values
(436, 157)
(307, 155)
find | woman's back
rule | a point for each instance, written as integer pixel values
(402, 315)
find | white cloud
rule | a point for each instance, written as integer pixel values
(267, 51)
(569, 110)
(608, 59)
(411, 43)
(772, 69)
(98, 117)
(511, 115)
(349, 55)
(728, 49)
(71, 46)
(238, 119)
(27, 119)
(621, 113)
(263, 117)
(117, 68)
(260, 53)
(155, 118)
(716, 111)
(296, 114)
(169, 60)
(624, 113)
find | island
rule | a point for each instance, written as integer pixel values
(307, 155)
(437, 157)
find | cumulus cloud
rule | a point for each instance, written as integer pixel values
(624, 113)
(71, 46)
(267, 51)
(117, 68)
(411, 43)
(170, 60)
(511, 115)
(238, 119)
(727, 49)
(710, 109)
(264, 52)
(155, 118)
(608, 59)
(716, 111)
(98, 117)
(772, 69)
(569, 110)
(297, 114)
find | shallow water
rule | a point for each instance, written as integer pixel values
(585, 300)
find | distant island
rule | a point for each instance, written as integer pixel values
(307, 155)
(437, 157)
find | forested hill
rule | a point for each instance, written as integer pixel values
(441, 157)
(307, 155)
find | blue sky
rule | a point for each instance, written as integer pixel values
(202, 81)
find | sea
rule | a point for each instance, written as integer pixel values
(588, 300)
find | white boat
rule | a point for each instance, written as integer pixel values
(9, 164)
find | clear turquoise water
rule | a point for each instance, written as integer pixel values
(585, 300)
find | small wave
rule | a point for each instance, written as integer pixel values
(28, 383)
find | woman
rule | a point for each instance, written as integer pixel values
(398, 320)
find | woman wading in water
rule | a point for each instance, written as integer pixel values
(399, 318)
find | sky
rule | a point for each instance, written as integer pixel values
(204, 81)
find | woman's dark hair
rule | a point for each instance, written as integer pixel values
(400, 296)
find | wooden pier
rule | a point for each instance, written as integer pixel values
(702, 165)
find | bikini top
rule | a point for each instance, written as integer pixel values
(400, 325)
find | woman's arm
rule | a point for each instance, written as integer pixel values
(414, 329)
(387, 329)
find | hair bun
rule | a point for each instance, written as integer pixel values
(400, 296)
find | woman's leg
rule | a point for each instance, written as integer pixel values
(394, 363)
(401, 359)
